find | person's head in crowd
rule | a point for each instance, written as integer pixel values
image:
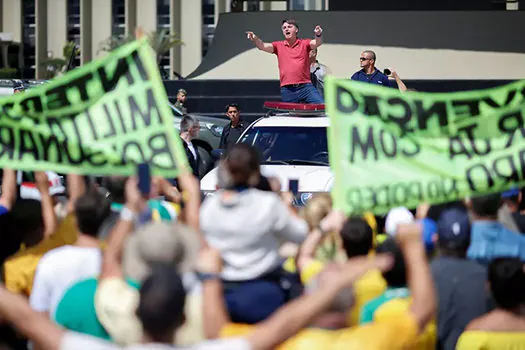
(453, 233)
(313, 56)
(26, 216)
(233, 112)
(512, 198)
(182, 95)
(116, 186)
(367, 59)
(316, 209)
(507, 282)
(486, 207)
(290, 29)
(397, 216)
(396, 277)
(189, 127)
(19, 88)
(357, 237)
(91, 210)
(161, 304)
(242, 165)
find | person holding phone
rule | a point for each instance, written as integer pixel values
(369, 73)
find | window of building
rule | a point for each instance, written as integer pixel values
(28, 34)
(163, 23)
(118, 20)
(73, 26)
(208, 24)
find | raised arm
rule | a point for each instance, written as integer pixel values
(76, 187)
(400, 85)
(318, 41)
(419, 277)
(261, 45)
(8, 189)
(48, 210)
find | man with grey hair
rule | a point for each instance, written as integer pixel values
(189, 129)
(369, 73)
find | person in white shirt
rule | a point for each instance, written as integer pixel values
(247, 226)
(62, 267)
(189, 129)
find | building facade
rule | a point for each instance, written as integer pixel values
(37, 30)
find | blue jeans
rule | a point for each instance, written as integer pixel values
(301, 93)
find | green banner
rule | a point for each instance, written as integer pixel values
(100, 119)
(389, 148)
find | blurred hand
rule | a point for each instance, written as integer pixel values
(422, 210)
(393, 73)
(209, 261)
(134, 199)
(189, 183)
(165, 188)
(408, 234)
(333, 222)
(287, 197)
(318, 30)
(251, 36)
(42, 182)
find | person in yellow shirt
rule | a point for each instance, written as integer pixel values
(328, 330)
(504, 327)
(357, 239)
(36, 222)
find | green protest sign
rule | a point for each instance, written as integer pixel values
(100, 119)
(389, 148)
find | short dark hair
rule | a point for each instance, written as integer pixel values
(372, 53)
(91, 210)
(290, 21)
(232, 105)
(487, 205)
(396, 277)
(116, 186)
(242, 162)
(357, 237)
(507, 282)
(162, 299)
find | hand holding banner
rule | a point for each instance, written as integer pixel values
(100, 119)
(390, 149)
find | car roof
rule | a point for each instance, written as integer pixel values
(293, 121)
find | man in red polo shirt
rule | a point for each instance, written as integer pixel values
(294, 63)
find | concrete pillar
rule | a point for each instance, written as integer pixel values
(86, 47)
(130, 9)
(12, 19)
(40, 37)
(147, 15)
(101, 25)
(175, 27)
(190, 17)
(220, 7)
(278, 6)
(56, 26)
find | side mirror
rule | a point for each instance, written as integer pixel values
(217, 154)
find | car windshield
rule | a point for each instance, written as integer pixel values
(287, 145)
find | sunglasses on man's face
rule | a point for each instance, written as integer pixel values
(363, 59)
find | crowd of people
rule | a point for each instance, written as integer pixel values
(88, 265)
(109, 267)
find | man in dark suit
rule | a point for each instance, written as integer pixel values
(189, 129)
(234, 129)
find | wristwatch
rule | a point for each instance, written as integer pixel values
(205, 276)
(127, 215)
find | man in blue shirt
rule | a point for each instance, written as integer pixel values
(489, 238)
(369, 73)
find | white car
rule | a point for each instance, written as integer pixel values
(293, 146)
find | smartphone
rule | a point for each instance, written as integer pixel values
(293, 186)
(387, 71)
(144, 175)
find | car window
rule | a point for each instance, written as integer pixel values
(308, 144)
